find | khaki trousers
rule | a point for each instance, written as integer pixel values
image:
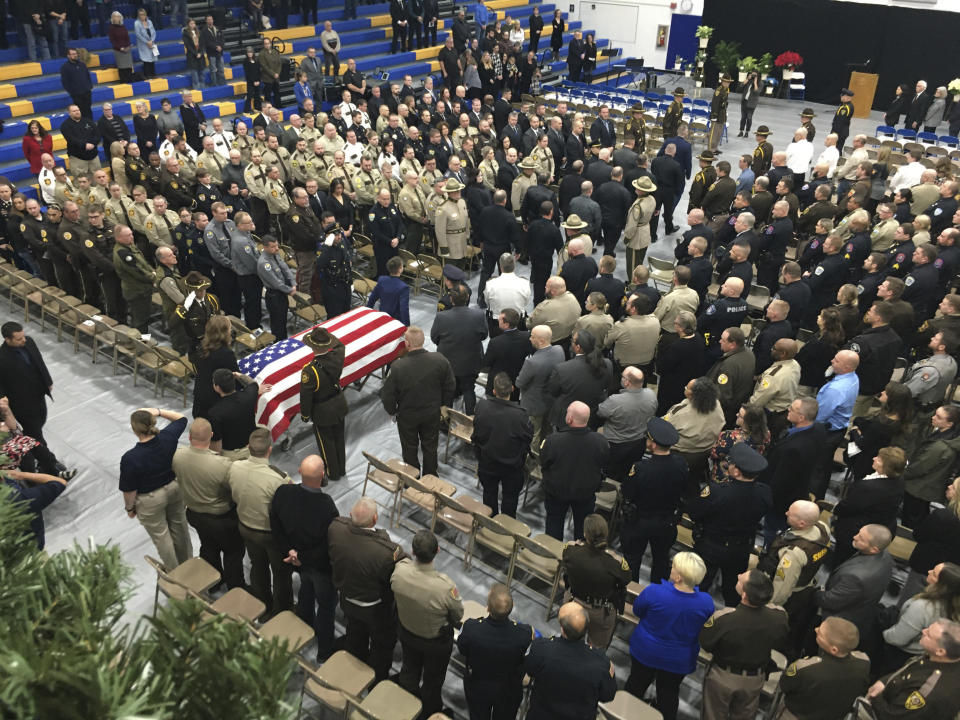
(164, 517)
(728, 696)
(86, 167)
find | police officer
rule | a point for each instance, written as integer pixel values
(454, 280)
(136, 277)
(638, 128)
(827, 684)
(773, 246)
(927, 687)
(197, 308)
(322, 401)
(413, 204)
(244, 255)
(98, 251)
(336, 271)
(741, 639)
(452, 223)
(652, 493)
(728, 310)
(278, 279)
(674, 114)
(363, 559)
(386, 230)
(493, 649)
(727, 515)
(900, 256)
(825, 279)
(763, 152)
(159, 225)
(596, 579)
(733, 372)
(366, 180)
(172, 294)
(206, 193)
(792, 562)
(428, 608)
(922, 282)
(278, 202)
(705, 177)
(841, 118)
(301, 228)
(929, 378)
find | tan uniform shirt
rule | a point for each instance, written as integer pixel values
(427, 179)
(281, 158)
(597, 323)
(792, 562)
(408, 164)
(366, 182)
(636, 235)
(634, 339)
(256, 178)
(243, 143)
(277, 200)
(413, 204)
(881, 237)
(252, 485)
(302, 167)
(559, 313)
(427, 600)
(344, 172)
(213, 164)
(159, 228)
(673, 303)
(544, 156)
(204, 479)
(777, 386)
(698, 433)
(330, 146)
(519, 189)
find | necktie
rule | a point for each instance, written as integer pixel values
(217, 161)
(166, 222)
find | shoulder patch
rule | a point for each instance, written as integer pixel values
(149, 225)
(722, 379)
(454, 593)
(88, 243)
(705, 492)
(909, 280)
(819, 270)
(915, 701)
(266, 266)
(67, 236)
(624, 565)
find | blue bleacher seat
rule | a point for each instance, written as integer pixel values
(886, 132)
(927, 138)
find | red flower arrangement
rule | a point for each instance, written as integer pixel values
(788, 59)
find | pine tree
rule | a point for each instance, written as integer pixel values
(66, 654)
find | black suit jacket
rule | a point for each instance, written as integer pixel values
(575, 380)
(606, 135)
(557, 144)
(791, 462)
(459, 334)
(918, 108)
(506, 353)
(497, 229)
(574, 149)
(25, 385)
(668, 174)
(515, 133)
(502, 432)
(209, 39)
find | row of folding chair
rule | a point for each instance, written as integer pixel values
(888, 132)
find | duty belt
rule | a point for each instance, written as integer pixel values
(738, 670)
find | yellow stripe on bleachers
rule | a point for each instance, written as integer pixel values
(428, 53)
(122, 91)
(20, 107)
(293, 33)
(379, 21)
(107, 76)
(159, 85)
(8, 91)
(228, 73)
(93, 61)
(20, 70)
(44, 122)
(59, 142)
(239, 87)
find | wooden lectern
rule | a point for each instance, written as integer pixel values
(864, 86)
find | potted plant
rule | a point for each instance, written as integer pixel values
(726, 56)
(788, 61)
(765, 65)
(745, 66)
(703, 33)
(677, 62)
(687, 69)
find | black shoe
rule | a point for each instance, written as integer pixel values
(67, 475)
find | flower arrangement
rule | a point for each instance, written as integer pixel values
(954, 87)
(788, 59)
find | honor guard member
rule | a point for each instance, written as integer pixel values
(718, 112)
(493, 649)
(927, 687)
(174, 186)
(453, 223)
(278, 279)
(638, 128)
(72, 233)
(205, 194)
(428, 609)
(98, 251)
(827, 684)
(276, 197)
(363, 559)
(209, 160)
(652, 494)
(244, 256)
(322, 401)
(301, 228)
(335, 269)
(726, 517)
(703, 180)
(523, 182)
(365, 181)
(726, 311)
(596, 579)
(454, 280)
(386, 230)
(172, 294)
(763, 152)
(740, 639)
(198, 307)
(159, 225)
(413, 205)
(841, 118)
(136, 277)
(674, 114)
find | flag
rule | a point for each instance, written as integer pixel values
(371, 340)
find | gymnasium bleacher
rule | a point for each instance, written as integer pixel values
(32, 90)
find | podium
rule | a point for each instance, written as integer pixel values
(864, 87)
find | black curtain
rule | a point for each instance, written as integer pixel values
(904, 45)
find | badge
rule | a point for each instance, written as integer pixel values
(765, 384)
(770, 230)
(46, 181)
(246, 249)
(23, 228)
(372, 217)
(202, 197)
(304, 378)
(129, 258)
(295, 218)
(935, 212)
(819, 270)
(711, 310)
(274, 193)
(791, 670)
(705, 492)
(855, 347)
(67, 236)
(900, 257)
(88, 243)
(43, 234)
(173, 184)
(723, 379)
(915, 701)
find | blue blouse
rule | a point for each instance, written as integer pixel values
(670, 622)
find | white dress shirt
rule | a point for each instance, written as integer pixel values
(799, 155)
(850, 166)
(48, 183)
(509, 290)
(221, 143)
(829, 156)
(352, 152)
(907, 176)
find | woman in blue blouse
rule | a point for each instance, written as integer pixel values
(664, 646)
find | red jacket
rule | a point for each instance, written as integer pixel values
(32, 150)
